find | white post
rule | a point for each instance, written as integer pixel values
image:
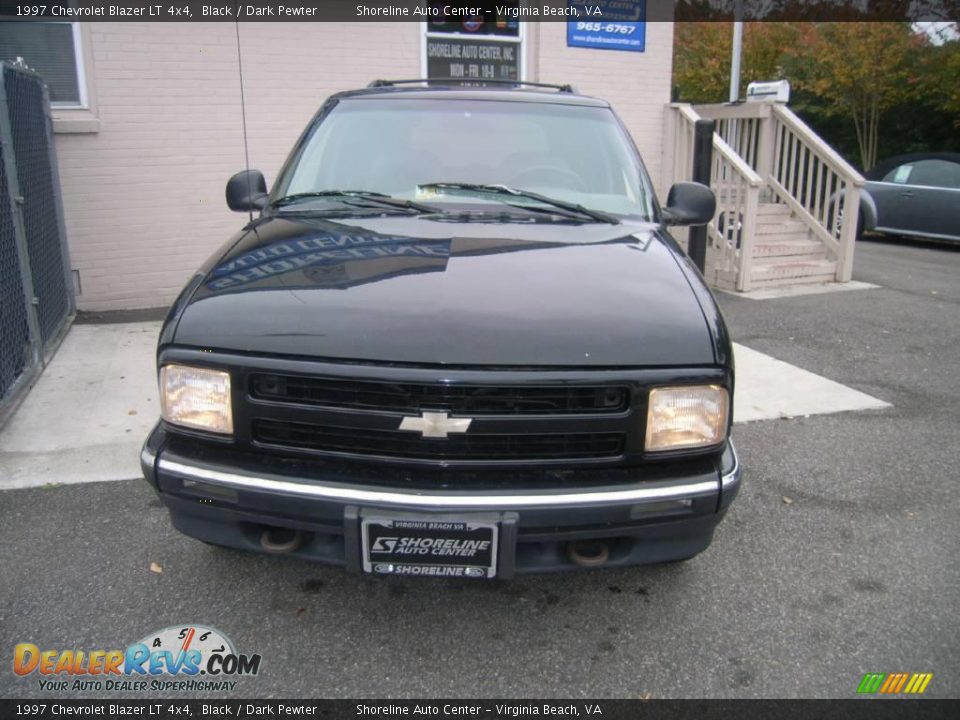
(747, 229)
(848, 232)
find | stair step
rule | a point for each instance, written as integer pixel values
(802, 248)
(773, 210)
(790, 282)
(782, 270)
(777, 227)
(775, 239)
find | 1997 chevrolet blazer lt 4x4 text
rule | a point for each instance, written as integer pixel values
(456, 341)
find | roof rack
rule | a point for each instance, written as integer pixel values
(448, 80)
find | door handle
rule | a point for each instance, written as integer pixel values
(906, 194)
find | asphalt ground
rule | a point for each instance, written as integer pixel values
(838, 558)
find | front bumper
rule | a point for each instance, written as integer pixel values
(647, 521)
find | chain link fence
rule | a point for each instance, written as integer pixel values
(36, 294)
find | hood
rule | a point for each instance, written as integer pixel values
(431, 291)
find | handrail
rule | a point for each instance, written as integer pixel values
(763, 150)
(687, 111)
(826, 153)
(738, 111)
(721, 145)
(737, 189)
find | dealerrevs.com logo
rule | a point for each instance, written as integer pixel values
(177, 658)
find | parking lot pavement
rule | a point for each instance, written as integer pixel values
(87, 415)
(838, 558)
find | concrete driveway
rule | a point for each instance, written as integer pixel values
(839, 557)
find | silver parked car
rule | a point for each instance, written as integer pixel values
(917, 194)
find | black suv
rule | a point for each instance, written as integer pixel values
(456, 341)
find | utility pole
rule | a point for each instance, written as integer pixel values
(702, 161)
(737, 50)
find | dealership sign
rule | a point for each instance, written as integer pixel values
(622, 27)
(472, 59)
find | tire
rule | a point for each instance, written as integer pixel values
(837, 225)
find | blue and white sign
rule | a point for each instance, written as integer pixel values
(620, 26)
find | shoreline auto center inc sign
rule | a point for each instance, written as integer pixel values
(474, 48)
(622, 26)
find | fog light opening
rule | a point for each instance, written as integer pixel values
(208, 491)
(662, 507)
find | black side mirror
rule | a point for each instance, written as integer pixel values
(247, 191)
(689, 203)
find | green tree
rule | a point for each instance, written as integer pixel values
(702, 53)
(943, 69)
(859, 71)
(871, 90)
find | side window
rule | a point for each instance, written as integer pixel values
(898, 175)
(936, 173)
(53, 50)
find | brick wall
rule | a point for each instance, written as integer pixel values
(143, 196)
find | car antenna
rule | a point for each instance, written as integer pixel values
(243, 118)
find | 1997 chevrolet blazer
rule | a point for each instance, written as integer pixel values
(456, 341)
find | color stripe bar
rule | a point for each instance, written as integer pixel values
(890, 682)
(870, 683)
(914, 682)
(900, 683)
(894, 683)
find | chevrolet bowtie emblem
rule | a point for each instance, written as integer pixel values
(435, 424)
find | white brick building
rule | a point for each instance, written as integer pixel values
(143, 166)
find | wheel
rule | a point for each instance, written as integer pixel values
(730, 230)
(839, 222)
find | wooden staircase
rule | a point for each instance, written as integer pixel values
(785, 251)
(779, 189)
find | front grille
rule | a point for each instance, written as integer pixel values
(472, 446)
(457, 399)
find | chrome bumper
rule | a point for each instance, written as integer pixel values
(648, 492)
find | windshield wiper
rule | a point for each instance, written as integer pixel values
(504, 192)
(368, 199)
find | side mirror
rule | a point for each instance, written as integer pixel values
(247, 191)
(690, 203)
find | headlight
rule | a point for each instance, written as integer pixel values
(685, 417)
(196, 398)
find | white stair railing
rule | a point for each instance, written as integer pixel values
(818, 186)
(798, 169)
(730, 234)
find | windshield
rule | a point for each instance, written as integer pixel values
(576, 154)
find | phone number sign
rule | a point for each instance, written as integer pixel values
(621, 26)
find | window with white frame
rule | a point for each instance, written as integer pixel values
(53, 50)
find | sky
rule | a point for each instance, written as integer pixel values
(939, 32)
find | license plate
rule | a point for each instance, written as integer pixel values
(431, 546)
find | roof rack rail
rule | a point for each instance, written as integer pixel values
(447, 80)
